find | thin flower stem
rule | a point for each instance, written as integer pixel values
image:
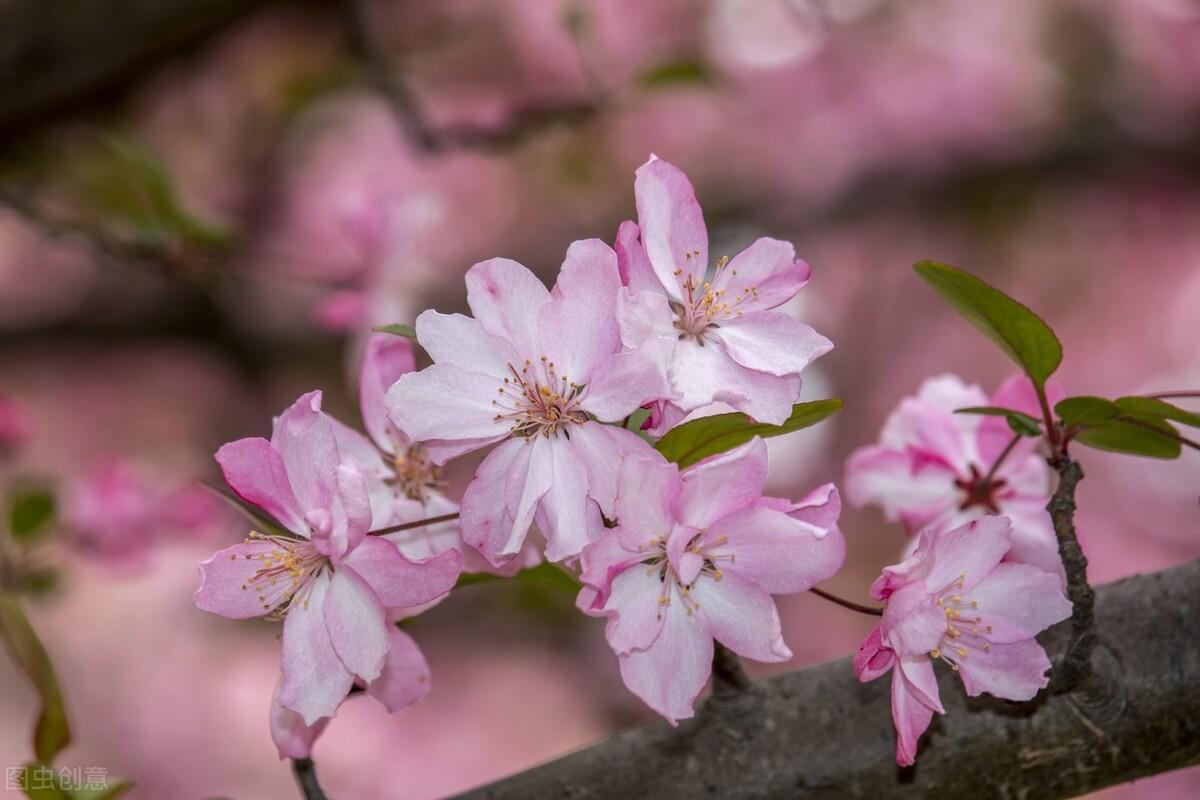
(987, 479)
(407, 526)
(306, 778)
(1047, 417)
(875, 612)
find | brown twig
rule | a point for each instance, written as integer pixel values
(728, 674)
(833, 598)
(1076, 661)
(407, 526)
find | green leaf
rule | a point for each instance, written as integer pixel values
(40, 782)
(1085, 410)
(682, 71)
(1132, 438)
(544, 573)
(1019, 332)
(696, 440)
(30, 512)
(110, 792)
(1155, 408)
(52, 732)
(397, 329)
(1019, 421)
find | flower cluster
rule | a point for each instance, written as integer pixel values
(956, 600)
(676, 560)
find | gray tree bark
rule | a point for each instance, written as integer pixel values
(819, 733)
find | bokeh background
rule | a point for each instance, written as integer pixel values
(189, 245)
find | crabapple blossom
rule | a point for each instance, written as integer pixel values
(696, 556)
(331, 584)
(957, 601)
(714, 339)
(933, 468)
(533, 370)
(405, 485)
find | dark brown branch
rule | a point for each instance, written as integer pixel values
(1076, 661)
(728, 674)
(819, 733)
(53, 54)
(306, 778)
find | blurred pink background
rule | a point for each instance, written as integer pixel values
(1050, 148)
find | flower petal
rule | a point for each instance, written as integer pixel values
(225, 577)
(505, 297)
(446, 402)
(292, 738)
(910, 716)
(405, 676)
(670, 674)
(779, 553)
(255, 470)
(578, 329)
(632, 262)
(969, 552)
(315, 681)
(912, 623)
(672, 225)
(563, 511)
(462, 342)
(387, 357)
(1013, 671)
(722, 484)
(741, 616)
(399, 582)
(873, 658)
(357, 624)
(766, 274)
(772, 342)
(499, 503)
(1017, 601)
(634, 609)
(306, 442)
(904, 486)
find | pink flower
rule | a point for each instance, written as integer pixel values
(403, 481)
(695, 557)
(115, 515)
(530, 370)
(930, 466)
(331, 583)
(713, 339)
(955, 601)
(404, 681)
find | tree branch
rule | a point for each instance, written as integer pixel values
(1076, 660)
(54, 54)
(819, 733)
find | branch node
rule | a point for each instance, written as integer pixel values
(1076, 661)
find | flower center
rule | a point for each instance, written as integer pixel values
(704, 307)
(659, 562)
(965, 631)
(416, 473)
(539, 402)
(285, 574)
(979, 490)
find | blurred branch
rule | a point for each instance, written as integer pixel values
(55, 54)
(819, 733)
(521, 124)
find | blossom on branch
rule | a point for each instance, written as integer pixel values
(535, 371)
(696, 556)
(713, 338)
(331, 584)
(955, 600)
(934, 468)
